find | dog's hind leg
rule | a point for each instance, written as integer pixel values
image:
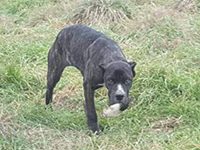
(56, 64)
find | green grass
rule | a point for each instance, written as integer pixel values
(165, 107)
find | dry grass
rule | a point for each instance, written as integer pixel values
(55, 140)
(151, 22)
(187, 6)
(100, 11)
(6, 21)
(57, 15)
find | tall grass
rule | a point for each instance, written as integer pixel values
(91, 12)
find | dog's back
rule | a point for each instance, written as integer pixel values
(75, 41)
(78, 37)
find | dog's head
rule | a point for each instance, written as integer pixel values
(118, 78)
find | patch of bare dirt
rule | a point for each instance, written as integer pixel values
(69, 98)
(59, 26)
(166, 125)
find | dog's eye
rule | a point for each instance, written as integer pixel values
(110, 81)
(127, 81)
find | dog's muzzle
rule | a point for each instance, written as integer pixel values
(123, 100)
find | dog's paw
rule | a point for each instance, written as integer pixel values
(95, 128)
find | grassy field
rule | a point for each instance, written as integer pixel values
(163, 37)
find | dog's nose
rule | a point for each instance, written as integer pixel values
(119, 97)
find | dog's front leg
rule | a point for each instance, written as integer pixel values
(90, 108)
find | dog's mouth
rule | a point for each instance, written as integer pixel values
(124, 102)
(123, 105)
(115, 108)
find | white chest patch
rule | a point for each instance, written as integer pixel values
(120, 90)
(101, 84)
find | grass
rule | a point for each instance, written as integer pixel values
(93, 12)
(165, 108)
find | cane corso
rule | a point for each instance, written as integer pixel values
(100, 61)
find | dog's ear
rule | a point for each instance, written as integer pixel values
(133, 64)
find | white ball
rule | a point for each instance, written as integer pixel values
(112, 111)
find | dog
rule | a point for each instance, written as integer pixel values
(100, 61)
